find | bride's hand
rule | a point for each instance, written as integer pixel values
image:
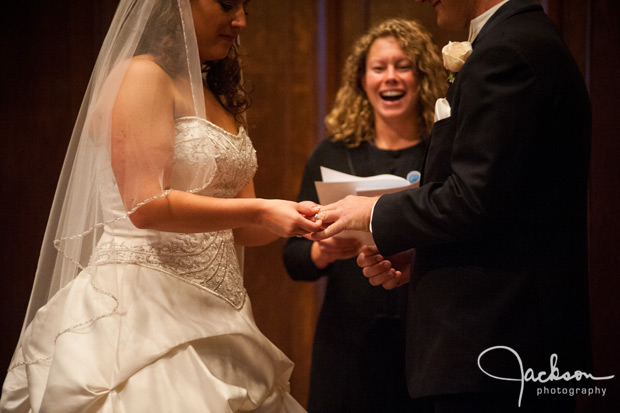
(288, 219)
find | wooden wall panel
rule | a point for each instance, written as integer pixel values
(282, 69)
(572, 18)
(591, 29)
(49, 48)
(603, 61)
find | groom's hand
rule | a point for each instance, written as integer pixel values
(352, 212)
(389, 273)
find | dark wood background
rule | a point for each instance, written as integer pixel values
(295, 53)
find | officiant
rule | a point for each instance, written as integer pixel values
(379, 124)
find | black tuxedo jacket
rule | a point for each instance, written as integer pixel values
(499, 224)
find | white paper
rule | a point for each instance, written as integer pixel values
(337, 185)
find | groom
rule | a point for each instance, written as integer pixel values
(499, 224)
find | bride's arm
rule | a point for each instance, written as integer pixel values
(257, 221)
(142, 151)
(253, 235)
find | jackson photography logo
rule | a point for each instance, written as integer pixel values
(552, 375)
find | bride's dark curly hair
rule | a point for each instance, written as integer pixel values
(224, 76)
(225, 81)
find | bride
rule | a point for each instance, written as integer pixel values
(138, 302)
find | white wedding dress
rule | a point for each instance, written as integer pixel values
(158, 322)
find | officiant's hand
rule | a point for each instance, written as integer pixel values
(352, 212)
(329, 250)
(390, 272)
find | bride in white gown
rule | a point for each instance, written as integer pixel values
(138, 303)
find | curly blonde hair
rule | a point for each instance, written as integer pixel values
(352, 117)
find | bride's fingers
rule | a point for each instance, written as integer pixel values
(308, 208)
(306, 226)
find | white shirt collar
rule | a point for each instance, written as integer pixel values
(476, 24)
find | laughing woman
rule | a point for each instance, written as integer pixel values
(381, 119)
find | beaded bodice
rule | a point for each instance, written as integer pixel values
(208, 161)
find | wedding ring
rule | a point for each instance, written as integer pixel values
(316, 216)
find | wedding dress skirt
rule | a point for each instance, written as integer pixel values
(167, 347)
(157, 322)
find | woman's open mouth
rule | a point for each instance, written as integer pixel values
(392, 95)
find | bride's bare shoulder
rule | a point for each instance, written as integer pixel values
(144, 69)
(144, 82)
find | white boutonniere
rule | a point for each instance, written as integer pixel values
(454, 56)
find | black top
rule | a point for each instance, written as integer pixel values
(358, 355)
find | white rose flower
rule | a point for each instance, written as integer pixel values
(455, 54)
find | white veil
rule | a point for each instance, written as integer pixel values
(158, 32)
